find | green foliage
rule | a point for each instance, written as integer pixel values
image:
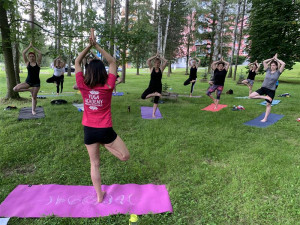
(165, 87)
(274, 28)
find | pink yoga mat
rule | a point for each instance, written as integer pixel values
(81, 201)
(211, 107)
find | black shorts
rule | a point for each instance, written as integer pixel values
(33, 84)
(99, 135)
(266, 91)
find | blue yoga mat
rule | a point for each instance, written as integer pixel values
(273, 118)
(118, 94)
(245, 97)
(274, 102)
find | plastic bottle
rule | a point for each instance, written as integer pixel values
(133, 219)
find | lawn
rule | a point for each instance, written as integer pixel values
(217, 170)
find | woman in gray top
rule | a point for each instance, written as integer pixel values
(273, 68)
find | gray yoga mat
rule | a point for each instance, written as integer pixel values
(26, 114)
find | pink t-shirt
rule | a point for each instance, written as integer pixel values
(96, 102)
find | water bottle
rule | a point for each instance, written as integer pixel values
(133, 219)
(129, 111)
(79, 110)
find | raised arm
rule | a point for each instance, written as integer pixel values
(280, 63)
(198, 63)
(164, 64)
(266, 63)
(111, 60)
(190, 62)
(226, 64)
(24, 53)
(257, 66)
(40, 56)
(149, 63)
(214, 65)
(80, 57)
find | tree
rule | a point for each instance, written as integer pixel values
(240, 39)
(7, 52)
(274, 28)
(234, 37)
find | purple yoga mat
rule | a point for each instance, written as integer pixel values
(81, 201)
(147, 113)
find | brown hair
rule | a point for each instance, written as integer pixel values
(273, 61)
(221, 63)
(31, 53)
(95, 74)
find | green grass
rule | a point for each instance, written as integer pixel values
(217, 170)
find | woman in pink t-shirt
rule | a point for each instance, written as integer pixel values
(96, 89)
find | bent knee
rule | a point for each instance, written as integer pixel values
(143, 97)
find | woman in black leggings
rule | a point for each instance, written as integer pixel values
(193, 74)
(155, 86)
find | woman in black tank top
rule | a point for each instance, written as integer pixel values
(155, 86)
(254, 67)
(32, 82)
(193, 74)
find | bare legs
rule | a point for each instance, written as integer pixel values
(22, 87)
(34, 93)
(153, 95)
(249, 86)
(255, 95)
(117, 148)
(155, 105)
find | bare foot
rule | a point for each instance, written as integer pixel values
(101, 197)
(153, 116)
(33, 113)
(269, 98)
(263, 120)
(157, 94)
(191, 95)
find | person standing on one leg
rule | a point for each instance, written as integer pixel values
(273, 67)
(155, 86)
(59, 68)
(32, 82)
(254, 67)
(220, 69)
(96, 89)
(193, 74)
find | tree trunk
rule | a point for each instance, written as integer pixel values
(212, 37)
(167, 27)
(7, 53)
(155, 24)
(159, 30)
(55, 28)
(15, 45)
(234, 38)
(219, 30)
(125, 45)
(59, 26)
(70, 57)
(188, 48)
(138, 64)
(16, 57)
(169, 68)
(240, 40)
(32, 20)
(112, 22)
